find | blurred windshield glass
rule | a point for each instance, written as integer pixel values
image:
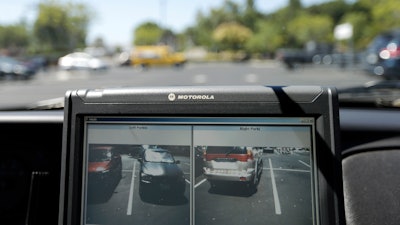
(50, 46)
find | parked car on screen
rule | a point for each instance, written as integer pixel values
(81, 60)
(15, 68)
(160, 174)
(104, 165)
(382, 57)
(233, 164)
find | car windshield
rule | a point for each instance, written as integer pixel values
(61, 45)
(225, 150)
(99, 155)
(158, 157)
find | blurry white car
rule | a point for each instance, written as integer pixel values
(81, 60)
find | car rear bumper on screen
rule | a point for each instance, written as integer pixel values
(229, 175)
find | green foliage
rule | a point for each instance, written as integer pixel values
(61, 27)
(250, 15)
(295, 25)
(308, 27)
(334, 9)
(201, 33)
(361, 29)
(14, 36)
(386, 14)
(267, 39)
(148, 33)
(371, 17)
(231, 35)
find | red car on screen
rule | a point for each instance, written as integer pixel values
(104, 165)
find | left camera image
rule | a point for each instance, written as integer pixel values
(125, 181)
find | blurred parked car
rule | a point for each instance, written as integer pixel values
(105, 165)
(156, 55)
(382, 57)
(81, 60)
(317, 53)
(233, 164)
(17, 69)
(160, 174)
(123, 59)
(38, 62)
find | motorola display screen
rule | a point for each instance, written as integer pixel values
(201, 155)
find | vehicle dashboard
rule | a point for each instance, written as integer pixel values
(31, 161)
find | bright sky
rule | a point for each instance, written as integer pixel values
(115, 20)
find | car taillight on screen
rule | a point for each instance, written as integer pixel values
(250, 155)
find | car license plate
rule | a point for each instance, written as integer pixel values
(224, 165)
(225, 160)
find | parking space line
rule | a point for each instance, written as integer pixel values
(274, 190)
(198, 184)
(187, 173)
(200, 78)
(304, 164)
(251, 78)
(291, 170)
(130, 200)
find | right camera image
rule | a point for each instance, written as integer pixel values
(253, 175)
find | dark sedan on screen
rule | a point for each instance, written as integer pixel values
(160, 174)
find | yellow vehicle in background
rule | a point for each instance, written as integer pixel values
(156, 55)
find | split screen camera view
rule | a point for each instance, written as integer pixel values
(184, 171)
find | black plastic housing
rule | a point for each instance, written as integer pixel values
(206, 101)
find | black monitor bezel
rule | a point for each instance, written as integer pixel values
(317, 102)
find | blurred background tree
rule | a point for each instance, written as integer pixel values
(307, 27)
(231, 36)
(265, 30)
(293, 26)
(148, 33)
(61, 27)
(14, 39)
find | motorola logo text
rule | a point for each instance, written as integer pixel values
(173, 97)
(195, 97)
